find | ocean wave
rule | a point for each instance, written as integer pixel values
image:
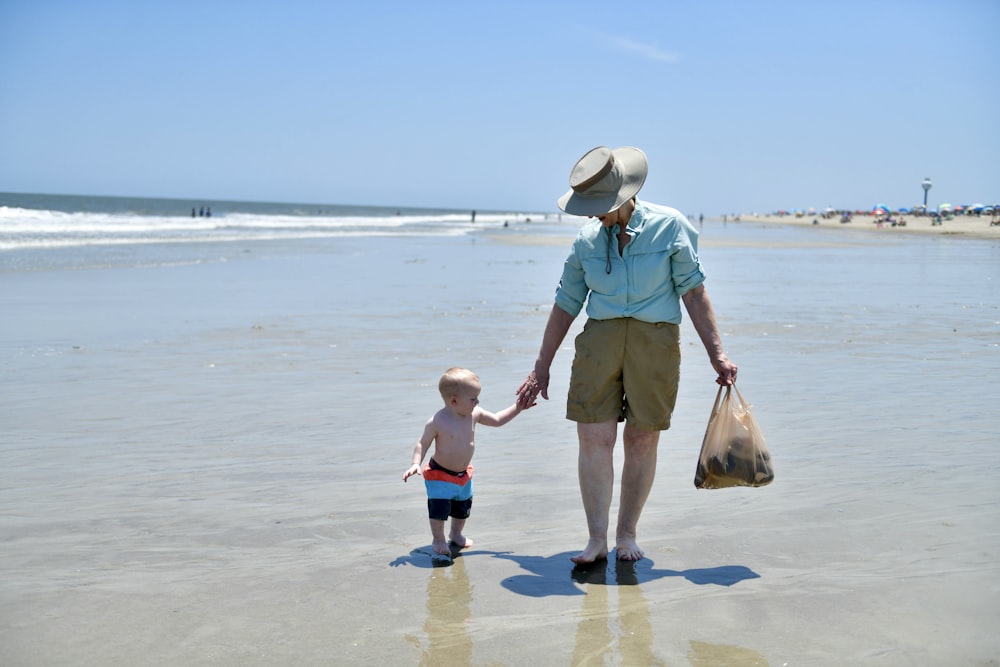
(23, 228)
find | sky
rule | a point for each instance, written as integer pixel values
(740, 106)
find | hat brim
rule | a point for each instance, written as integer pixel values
(634, 167)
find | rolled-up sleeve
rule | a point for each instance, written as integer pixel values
(572, 291)
(686, 271)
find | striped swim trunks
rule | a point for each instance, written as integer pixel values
(449, 493)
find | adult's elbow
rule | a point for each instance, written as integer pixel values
(694, 294)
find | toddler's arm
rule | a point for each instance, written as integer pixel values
(420, 450)
(502, 417)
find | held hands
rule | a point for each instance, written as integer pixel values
(411, 471)
(536, 383)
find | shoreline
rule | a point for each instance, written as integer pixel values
(961, 226)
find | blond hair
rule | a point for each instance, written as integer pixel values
(455, 379)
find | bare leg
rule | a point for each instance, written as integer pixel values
(456, 533)
(439, 544)
(638, 472)
(597, 480)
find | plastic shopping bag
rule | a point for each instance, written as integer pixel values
(733, 452)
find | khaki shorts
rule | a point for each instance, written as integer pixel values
(625, 369)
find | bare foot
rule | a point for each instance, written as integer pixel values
(627, 549)
(441, 547)
(597, 549)
(461, 541)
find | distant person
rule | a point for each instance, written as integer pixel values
(208, 211)
(631, 265)
(201, 212)
(448, 473)
(473, 216)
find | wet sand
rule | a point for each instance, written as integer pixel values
(202, 463)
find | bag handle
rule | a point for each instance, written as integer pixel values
(718, 399)
(743, 401)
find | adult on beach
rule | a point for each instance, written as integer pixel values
(631, 264)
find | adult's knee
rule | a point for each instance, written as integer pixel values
(640, 439)
(597, 436)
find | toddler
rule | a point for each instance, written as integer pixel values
(448, 474)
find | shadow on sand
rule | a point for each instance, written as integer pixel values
(556, 575)
(425, 557)
(547, 575)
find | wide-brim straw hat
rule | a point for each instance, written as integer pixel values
(604, 179)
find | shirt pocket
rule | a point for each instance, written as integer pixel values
(650, 274)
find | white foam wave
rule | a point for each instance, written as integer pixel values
(22, 228)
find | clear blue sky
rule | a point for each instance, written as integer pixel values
(741, 106)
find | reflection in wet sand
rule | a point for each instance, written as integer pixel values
(449, 596)
(620, 635)
(713, 655)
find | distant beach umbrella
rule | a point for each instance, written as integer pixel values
(944, 207)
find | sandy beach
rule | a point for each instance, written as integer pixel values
(201, 461)
(962, 225)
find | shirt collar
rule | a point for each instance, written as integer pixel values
(637, 221)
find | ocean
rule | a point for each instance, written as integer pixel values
(39, 231)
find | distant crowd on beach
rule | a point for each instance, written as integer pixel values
(946, 211)
(882, 215)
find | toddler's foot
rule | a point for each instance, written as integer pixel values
(441, 547)
(597, 549)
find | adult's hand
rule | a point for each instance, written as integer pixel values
(726, 370)
(536, 383)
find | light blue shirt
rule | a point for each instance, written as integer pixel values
(658, 266)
